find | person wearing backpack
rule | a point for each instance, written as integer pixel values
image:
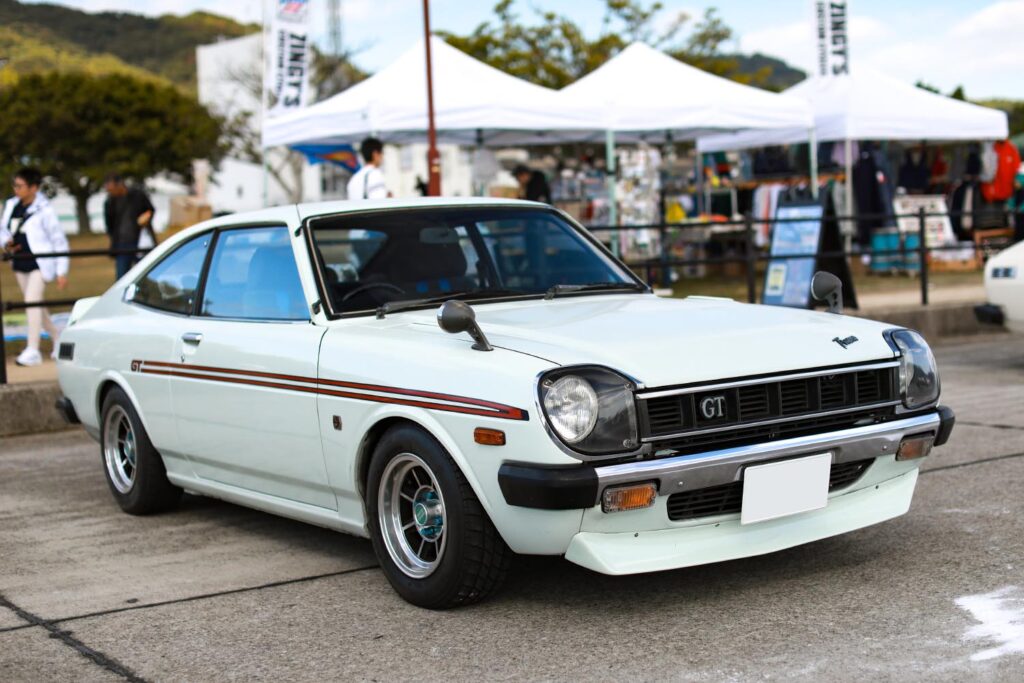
(29, 225)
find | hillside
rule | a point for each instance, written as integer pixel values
(164, 46)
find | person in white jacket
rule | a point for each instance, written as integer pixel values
(29, 225)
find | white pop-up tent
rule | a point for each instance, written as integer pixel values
(867, 105)
(474, 104)
(643, 93)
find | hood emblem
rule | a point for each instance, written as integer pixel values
(845, 342)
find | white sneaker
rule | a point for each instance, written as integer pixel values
(29, 356)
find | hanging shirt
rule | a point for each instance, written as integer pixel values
(18, 218)
(367, 183)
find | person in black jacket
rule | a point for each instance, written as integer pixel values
(127, 212)
(532, 184)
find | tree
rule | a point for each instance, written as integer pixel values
(554, 51)
(78, 128)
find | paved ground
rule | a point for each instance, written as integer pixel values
(218, 592)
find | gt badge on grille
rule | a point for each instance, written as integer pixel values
(713, 407)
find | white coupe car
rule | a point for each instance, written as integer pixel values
(1004, 288)
(460, 380)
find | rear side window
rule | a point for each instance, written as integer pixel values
(253, 276)
(171, 284)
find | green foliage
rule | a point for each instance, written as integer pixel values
(553, 50)
(77, 128)
(1014, 110)
(163, 45)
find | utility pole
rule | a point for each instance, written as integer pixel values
(334, 9)
(433, 157)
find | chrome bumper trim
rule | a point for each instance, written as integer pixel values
(713, 468)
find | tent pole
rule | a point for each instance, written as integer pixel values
(812, 146)
(613, 208)
(700, 181)
(433, 157)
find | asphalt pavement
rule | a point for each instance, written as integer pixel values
(213, 591)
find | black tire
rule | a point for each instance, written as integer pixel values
(474, 560)
(148, 490)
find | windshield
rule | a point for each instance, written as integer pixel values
(478, 253)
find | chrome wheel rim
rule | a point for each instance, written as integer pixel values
(120, 449)
(411, 513)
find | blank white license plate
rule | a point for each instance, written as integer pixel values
(785, 488)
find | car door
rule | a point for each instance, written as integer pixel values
(244, 386)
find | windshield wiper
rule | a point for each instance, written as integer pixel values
(555, 290)
(468, 294)
(395, 306)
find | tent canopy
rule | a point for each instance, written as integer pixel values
(868, 105)
(642, 93)
(473, 103)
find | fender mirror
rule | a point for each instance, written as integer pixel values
(455, 317)
(828, 288)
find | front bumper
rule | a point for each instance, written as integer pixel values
(581, 487)
(721, 540)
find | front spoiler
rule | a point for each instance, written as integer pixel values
(581, 486)
(650, 551)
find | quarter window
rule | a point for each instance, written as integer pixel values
(171, 284)
(253, 276)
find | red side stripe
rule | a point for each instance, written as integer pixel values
(484, 408)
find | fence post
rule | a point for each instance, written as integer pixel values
(3, 342)
(666, 279)
(923, 253)
(748, 229)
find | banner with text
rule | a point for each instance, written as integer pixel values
(289, 47)
(832, 38)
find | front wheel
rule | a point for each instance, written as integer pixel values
(435, 543)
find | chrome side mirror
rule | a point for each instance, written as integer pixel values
(828, 288)
(455, 317)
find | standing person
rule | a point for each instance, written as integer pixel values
(29, 225)
(368, 182)
(533, 186)
(127, 212)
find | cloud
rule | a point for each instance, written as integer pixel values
(980, 50)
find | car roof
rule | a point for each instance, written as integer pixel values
(287, 213)
(324, 208)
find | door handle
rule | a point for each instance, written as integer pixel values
(192, 337)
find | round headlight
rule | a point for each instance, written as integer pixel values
(571, 406)
(919, 376)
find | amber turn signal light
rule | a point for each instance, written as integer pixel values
(632, 497)
(915, 447)
(489, 437)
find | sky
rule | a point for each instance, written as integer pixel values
(975, 43)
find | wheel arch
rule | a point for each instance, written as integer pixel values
(107, 383)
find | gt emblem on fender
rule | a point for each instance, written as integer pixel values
(136, 365)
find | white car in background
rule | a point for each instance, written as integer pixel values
(1004, 289)
(458, 379)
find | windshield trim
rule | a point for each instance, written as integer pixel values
(327, 304)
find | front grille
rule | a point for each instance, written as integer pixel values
(728, 498)
(795, 406)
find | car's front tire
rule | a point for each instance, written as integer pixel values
(435, 543)
(133, 468)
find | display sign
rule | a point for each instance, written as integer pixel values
(832, 37)
(938, 230)
(788, 280)
(289, 46)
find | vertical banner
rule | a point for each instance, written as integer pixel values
(289, 44)
(832, 38)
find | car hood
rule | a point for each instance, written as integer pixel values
(660, 341)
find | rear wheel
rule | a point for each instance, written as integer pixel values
(435, 543)
(134, 469)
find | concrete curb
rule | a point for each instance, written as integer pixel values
(29, 409)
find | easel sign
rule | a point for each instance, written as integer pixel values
(809, 231)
